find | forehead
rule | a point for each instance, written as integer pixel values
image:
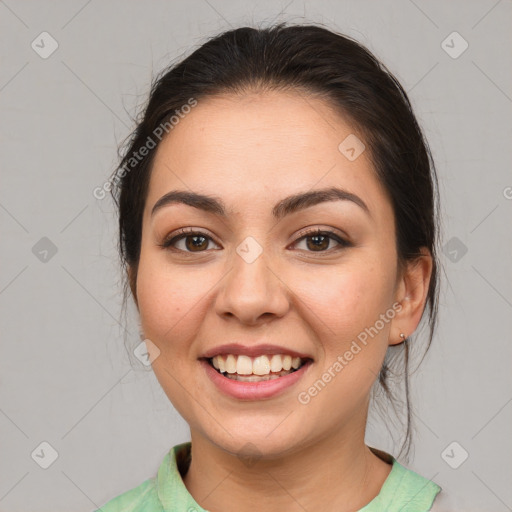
(260, 147)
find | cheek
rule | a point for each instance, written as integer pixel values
(343, 304)
(346, 299)
(168, 300)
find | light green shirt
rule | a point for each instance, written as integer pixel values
(403, 490)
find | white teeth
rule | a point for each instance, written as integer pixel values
(276, 363)
(231, 365)
(243, 365)
(262, 365)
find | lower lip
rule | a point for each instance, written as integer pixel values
(254, 390)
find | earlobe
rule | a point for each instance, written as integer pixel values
(397, 340)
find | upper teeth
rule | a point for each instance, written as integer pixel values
(261, 365)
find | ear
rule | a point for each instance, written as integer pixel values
(411, 291)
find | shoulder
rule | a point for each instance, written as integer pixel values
(404, 490)
(143, 498)
(160, 492)
(408, 490)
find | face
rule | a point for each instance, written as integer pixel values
(256, 274)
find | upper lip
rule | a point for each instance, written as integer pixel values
(252, 351)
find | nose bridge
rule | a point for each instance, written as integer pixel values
(251, 289)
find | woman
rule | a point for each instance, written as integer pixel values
(278, 229)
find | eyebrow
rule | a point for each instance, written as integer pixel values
(286, 206)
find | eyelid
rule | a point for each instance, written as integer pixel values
(327, 230)
(342, 240)
(182, 233)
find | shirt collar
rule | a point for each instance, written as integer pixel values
(174, 495)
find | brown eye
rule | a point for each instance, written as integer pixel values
(191, 241)
(319, 241)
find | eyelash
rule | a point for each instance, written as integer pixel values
(183, 233)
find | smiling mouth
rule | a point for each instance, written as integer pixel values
(248, 369)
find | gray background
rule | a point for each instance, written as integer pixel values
(65, 377)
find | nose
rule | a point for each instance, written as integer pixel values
(252, 292)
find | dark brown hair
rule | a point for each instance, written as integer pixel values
(314, 61)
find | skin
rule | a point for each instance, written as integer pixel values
(252, 151)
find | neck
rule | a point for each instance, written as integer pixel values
(335, 473)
